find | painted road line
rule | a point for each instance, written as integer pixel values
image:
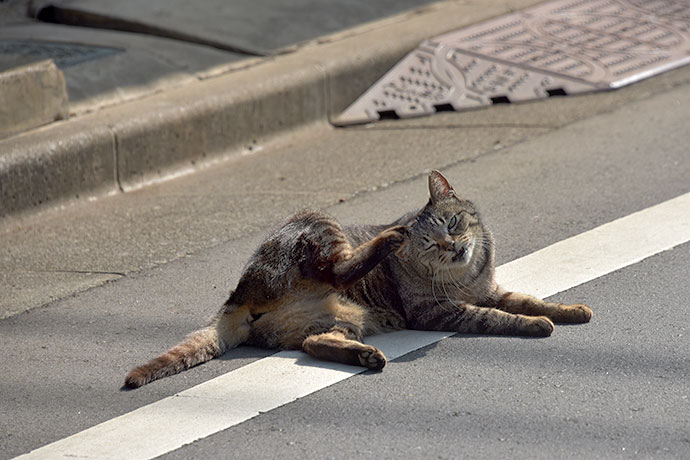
(599, 251)
(220, 403)
(271, 382)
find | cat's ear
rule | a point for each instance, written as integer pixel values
(439, 187)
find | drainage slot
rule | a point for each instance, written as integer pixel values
(388, 115)
(444, 108)
(500, 100)
(556, 92)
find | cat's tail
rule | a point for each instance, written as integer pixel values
(227, 331)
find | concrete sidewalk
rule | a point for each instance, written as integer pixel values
(144, 106)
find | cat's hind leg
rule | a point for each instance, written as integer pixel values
(342, 340)
(228, 329)
(515, 302)
(338, 345)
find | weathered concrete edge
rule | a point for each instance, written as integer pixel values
(34, 94)
(123, 147)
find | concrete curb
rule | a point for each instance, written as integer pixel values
(124, 147)
(33, 94)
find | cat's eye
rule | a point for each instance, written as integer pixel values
(453, 221)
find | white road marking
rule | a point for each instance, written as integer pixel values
(271, 382)
(602, 250)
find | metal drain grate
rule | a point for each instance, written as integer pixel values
(557, 48)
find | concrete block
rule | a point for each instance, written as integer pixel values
(103, 67)
(31, 94)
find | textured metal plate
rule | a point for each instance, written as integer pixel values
(557, 48)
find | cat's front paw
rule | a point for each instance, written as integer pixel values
(578, 313)
(395, 237)
(372, 358)
(539, 326)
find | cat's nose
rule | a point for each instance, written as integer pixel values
(447, 244)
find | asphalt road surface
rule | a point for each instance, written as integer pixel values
(614, 388)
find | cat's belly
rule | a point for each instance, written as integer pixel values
(288, 326)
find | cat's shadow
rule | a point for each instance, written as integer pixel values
(303, 359)
(246, 352)
(416, 354)
(422, 352)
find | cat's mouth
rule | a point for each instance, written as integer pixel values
(460, 254)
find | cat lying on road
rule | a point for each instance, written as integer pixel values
(315, 286)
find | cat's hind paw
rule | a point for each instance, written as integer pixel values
(372, 358)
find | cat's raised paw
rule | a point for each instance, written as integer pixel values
(372, 359)
(395, 237)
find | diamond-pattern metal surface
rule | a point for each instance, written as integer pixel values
(557, 48)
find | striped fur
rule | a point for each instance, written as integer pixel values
(316, 286)
(198, 347)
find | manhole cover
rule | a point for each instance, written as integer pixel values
(63, 54)
(557, 48)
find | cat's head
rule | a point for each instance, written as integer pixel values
(448, 232)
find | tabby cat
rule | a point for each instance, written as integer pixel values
(315, 286)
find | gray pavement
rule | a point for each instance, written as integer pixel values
(611, 389)
(614, 388)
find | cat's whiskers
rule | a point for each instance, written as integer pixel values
(486, 240)
(446, 304)
(437, 280)
(433, 290)
(443, 285)
(483, 241)
(459, 286)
